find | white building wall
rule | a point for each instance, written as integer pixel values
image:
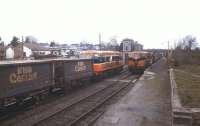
(127, 46)
(27, 51)
(47, 52)
(9, 53)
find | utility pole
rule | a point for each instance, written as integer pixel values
(22, 38)
(99, 41)
(22, 46)
(169, 53)
(175, 45)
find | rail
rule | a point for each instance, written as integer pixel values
(74, 112)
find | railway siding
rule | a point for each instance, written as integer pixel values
(75, 112)
(90, 118)
(36, 114)
(31, 120)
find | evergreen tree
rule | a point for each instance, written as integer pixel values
(14, 41)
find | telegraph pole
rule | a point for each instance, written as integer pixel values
(169, 53)
(22, 46)
(99, 41)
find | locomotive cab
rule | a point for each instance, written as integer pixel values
(138, 61)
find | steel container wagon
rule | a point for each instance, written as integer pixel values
(69, 72)
(22, 79)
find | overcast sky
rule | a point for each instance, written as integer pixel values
(150, 22)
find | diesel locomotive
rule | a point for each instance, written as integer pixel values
(138, 61)
(105, 62)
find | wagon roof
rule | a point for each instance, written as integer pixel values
(13, 62)
(145, 52)
(71, 59)
(9, 62)
(98, 52)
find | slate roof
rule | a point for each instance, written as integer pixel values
(35, 47)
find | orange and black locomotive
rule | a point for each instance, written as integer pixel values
(138, 61)
(105, 62)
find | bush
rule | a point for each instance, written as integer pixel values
(182, 57)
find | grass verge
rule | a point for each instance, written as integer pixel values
(188, 83)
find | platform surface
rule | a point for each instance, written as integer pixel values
(147, 104)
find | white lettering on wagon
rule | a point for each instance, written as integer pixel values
(80, 66)
(23, 74)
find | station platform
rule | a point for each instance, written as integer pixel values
(147, 104)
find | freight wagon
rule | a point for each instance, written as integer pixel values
(72, 72)
(22, 79)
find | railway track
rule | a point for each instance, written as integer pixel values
(70, 115)
(90, 118)
(36, 114)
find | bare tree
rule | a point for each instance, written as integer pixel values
(112, 44)
(30, 39)
(189, 42)
(186, 51)
(1, 42)
(52, 44)
(180, 45)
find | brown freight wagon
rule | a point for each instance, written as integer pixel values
(69, 72)
(22, 79)
(32, 78)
